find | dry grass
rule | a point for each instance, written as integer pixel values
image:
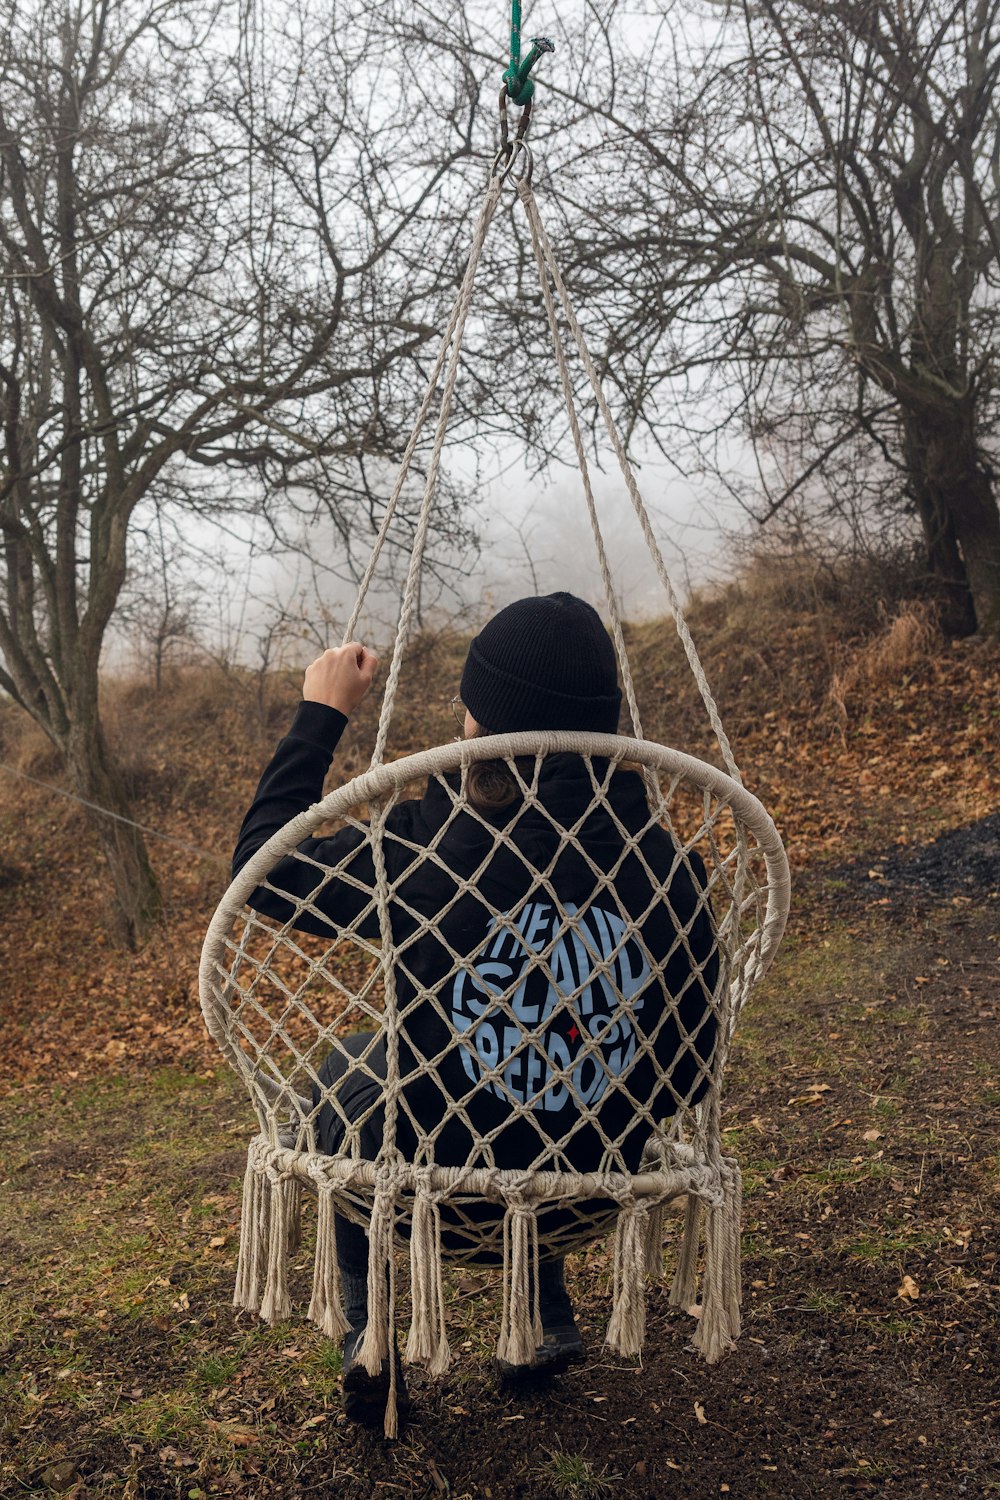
(869, 670)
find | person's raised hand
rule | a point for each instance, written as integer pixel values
(340, 677)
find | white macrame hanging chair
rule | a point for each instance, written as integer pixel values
(277, 1000)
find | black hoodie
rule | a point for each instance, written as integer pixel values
(626, 909)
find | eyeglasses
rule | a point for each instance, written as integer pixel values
(458, 709)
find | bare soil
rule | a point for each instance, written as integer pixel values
(862, 1105)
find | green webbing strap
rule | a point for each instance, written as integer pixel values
(520, 87)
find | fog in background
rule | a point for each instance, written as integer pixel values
(244, 600)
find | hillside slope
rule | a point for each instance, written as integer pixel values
(855, 744)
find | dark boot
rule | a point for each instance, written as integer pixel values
(561, 1344)
(365, 1395)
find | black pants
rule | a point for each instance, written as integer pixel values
(356, 1093)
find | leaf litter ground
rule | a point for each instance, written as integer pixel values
(862, 1104)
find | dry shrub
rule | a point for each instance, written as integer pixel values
(852, 591)
(898, 649)
(25, 746)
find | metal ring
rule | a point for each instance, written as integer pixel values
(509, 155)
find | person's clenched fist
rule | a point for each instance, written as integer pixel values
(340, 677)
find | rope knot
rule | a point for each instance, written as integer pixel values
(520, 87)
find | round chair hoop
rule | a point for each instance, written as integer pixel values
(389, 779)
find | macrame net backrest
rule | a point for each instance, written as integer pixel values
(554, 1048)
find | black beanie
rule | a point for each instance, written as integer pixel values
(543, 663)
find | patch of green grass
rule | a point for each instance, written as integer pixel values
(322, 1367)
(214, 1371)
(759, 1247)
(573, 1477)
(840, 1172)
(889, 1328)
(905, 1014)
(826, 1303)
(878, 1247)
(174, 1083)
(756, 1174)
(847, 970)
(166, 1417)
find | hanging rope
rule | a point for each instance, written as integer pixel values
(450, 354)
(541, 239)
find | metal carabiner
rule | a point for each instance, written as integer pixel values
(510, 149)
(507, 159)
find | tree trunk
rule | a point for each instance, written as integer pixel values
(976, 518)
(134, 895)
(958, 512)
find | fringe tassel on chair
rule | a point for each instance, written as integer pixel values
(254, 1217)
(375, 1346)
(390, 1426)
(427, 1343)
(655, 1225)
(276, 1304)
(521, 1324)
(627, 1328)
(719, 1325)
(294, 1218)
(326, 1309)
(684, 1287)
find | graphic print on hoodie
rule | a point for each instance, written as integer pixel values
(456, 1106)
(565, 1014)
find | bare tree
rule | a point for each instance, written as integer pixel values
(215, 250)
(229, 232)
(781, 221)
(801, 205)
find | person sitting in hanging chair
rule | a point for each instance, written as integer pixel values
(539, 880)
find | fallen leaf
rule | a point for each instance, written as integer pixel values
(244, 1437)
(908, 1289)
(699, 1412)
(178, 1457)
(873, 1135)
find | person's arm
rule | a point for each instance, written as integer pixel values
(334, 685)
(293, 779)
